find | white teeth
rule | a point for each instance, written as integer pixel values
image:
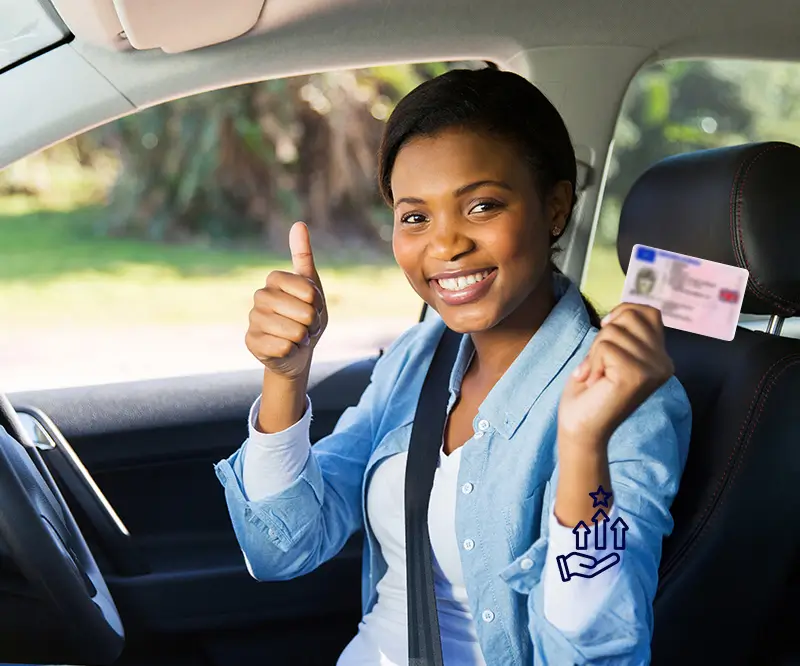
(459, 283)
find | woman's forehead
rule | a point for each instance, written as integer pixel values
(449, 160)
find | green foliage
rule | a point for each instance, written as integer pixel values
(242, 164)
(672, 108)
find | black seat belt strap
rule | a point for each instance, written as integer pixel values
(424, 640)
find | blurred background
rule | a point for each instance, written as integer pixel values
(133, 251)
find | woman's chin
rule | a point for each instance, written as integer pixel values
(468, 323)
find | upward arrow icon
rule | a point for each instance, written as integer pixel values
(600, 519)
(581, 533)
(619, 528)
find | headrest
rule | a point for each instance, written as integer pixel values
(737, 205)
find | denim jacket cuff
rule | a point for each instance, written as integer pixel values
(284, 517)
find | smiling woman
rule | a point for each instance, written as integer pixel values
(480, 173)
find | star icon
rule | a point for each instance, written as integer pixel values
(600, 497)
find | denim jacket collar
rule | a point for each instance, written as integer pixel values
(540, 361)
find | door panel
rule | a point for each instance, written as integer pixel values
(179, 577)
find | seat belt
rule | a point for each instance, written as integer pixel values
(424, 640)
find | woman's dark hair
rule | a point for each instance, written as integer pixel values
(499, 103)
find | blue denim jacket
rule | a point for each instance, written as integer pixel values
(513, 470)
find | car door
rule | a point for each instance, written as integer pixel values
(135, 462)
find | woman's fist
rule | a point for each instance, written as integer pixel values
(626, 363)
(289, 313)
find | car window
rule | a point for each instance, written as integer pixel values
(680, 106)
(133, 251)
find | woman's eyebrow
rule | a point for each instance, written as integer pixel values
(409, 200)
(482, 183)
(461, 191)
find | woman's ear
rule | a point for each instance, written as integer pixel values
(559, 206)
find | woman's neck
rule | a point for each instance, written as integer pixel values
(497, 347)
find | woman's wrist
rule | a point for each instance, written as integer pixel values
(283, 401)
(582, 469)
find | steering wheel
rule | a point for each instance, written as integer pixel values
(81, 624)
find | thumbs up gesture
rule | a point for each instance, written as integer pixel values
(289, 313)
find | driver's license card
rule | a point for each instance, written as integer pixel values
(693, 294)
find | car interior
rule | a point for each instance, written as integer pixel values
(115, 541)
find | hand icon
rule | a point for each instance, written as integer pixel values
(584, 566)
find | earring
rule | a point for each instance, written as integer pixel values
(555, 231)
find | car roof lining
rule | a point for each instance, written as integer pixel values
(678, 28)
(302, 36)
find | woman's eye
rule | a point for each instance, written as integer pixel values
(413, 218)
(484, 207)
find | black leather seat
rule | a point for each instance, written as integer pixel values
(729, 591)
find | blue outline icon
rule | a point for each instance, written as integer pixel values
(582, 565)
(603, 501)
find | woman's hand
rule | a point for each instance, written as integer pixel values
(625, 365)
(289, 314)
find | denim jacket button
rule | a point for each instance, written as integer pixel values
(469, 544)
(487, 615)
(483, 424)
(467, 488)
(272, 533)
(526, 563)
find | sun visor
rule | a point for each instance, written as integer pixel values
(173, 26)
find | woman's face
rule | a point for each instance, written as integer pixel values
(471, 232)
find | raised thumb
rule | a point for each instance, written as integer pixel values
(302, 256)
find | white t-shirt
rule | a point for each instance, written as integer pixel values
(382, 635)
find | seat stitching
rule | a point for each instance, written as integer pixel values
(736, 200)
(750, 423)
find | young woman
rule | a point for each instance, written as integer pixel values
(554, 418)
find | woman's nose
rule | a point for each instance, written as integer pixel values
(448, 240)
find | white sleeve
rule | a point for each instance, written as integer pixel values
(571, 601)
(272, 462)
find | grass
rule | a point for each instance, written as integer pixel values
(54, 272)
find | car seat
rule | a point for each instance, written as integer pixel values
(728, 580)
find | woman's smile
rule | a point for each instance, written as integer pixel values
(465, 288)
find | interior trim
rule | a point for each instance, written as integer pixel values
(62, 446)
(66, 39)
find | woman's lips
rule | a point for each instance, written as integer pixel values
(468, 294)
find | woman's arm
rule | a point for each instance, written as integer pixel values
(305, 522)
(286, 404)
(583, 467)
(623, 428)
(592, 569)
(608, 619)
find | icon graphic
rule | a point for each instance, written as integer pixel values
(604, 497)
(581, 530)
(600, 519)
(583, 565)
(619, 528)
